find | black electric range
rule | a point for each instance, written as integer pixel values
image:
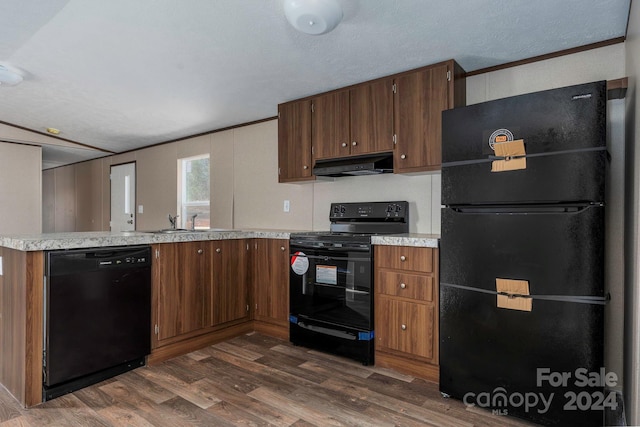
(331, 278)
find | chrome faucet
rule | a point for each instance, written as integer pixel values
(193, 221)
(172, 221)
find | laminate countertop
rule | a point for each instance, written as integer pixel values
(95, 239)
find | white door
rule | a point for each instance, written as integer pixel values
(123, 197)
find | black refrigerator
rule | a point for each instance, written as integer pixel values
(522, 255)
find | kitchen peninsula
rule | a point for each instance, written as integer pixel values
(263, 269)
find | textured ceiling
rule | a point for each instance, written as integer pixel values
(123, 74)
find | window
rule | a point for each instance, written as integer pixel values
(193, 191)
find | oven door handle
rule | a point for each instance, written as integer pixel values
(355, 291)
(331, 248)
(328, 331)
(329, 258)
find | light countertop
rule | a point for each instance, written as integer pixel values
(94, 239)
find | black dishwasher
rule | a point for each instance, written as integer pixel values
(97, 314)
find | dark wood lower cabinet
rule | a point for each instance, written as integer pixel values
(271, 286)
(202, 292)
(230, 285)
(406, 310)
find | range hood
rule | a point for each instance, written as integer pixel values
(372, 164)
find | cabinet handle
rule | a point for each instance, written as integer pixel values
(403, 156)
(344, 144)
(218, 250)
(305, 167)
(282, 248)
(403, 327)
(354, 143)
(403, 258)
(402, 286)
(200, 251)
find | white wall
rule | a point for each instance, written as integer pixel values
(632, 211)
(20, 189)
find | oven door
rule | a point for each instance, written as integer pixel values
(332, 285)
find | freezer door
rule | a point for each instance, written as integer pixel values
(564, 132)
(486, 349)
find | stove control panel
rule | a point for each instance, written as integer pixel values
(369, 211)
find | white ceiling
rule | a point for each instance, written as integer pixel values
(123, 74)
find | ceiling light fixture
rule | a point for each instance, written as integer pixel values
(9, 76)
(53, 131)
(313, 17)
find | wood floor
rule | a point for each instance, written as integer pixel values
(253, 380)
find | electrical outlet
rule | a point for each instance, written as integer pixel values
(140, 209)
(287, 206)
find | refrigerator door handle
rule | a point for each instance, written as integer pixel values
(582, 299)
(491, 158)
(526, 209)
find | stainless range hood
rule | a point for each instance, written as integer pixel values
(372, 164)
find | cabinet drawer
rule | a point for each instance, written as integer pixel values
(404, 258)
(414, 286)
(405, 326)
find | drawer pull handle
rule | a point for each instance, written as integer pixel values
(200, 251)
(403, 286)
(403, 327)
(218, 250)
(403, 258)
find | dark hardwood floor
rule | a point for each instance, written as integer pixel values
(253, 380)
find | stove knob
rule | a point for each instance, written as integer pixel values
(343, 209)
(389, 208)
(336, 209)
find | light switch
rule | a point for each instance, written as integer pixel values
(0, 266)
(140, 209)
(287, 206)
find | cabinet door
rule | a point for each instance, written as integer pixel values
(419, 101)
(330, 126)
(294, 141)
(405, 326)
(183, 288)
(371, 112)
(230, 289)
(271, 281)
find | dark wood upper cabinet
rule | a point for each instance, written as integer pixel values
(400, 114)
(371, 111)
(353, 122)
(294, 141)
(420, 99)
(330, 127)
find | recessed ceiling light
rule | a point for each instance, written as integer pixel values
(53, 131)
(9, 76)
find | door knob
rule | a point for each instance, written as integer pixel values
(305, 167)
(200, 251)
(354, 143)
(403, 327)
(402, 286)
(403, 258)
(218, 250)
(403, 156)
(344, 144)
(282, 248)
